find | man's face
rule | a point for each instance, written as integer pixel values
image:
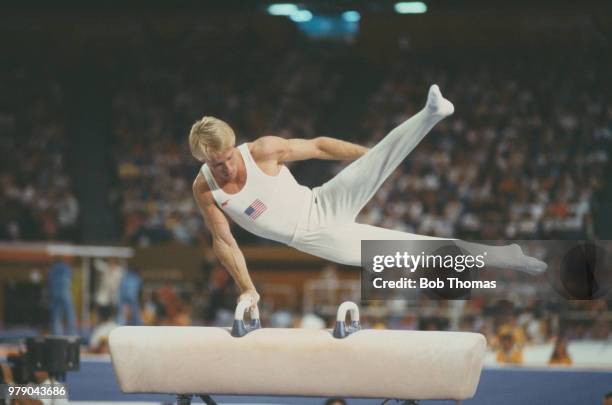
(224, 164)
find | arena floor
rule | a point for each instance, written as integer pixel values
(95, 383)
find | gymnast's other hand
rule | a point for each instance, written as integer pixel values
(250, 295)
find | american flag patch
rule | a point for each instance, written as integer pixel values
(255, 209)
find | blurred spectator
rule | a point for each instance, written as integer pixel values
(150, 309)
(511, 326)
(110, 274)
(281, 319)
(509, 352)
(221, 291)
(312, 321)
(182, 316)
(129, 297)
(98, 342)
(170, 305)
(560, 355)
(60, 289)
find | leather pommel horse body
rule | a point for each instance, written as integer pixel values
(249, 360)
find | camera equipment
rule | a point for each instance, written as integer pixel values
(53, 354)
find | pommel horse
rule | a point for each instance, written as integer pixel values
(250, 360)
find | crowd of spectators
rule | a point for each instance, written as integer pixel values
(37, 201)
(521, 158)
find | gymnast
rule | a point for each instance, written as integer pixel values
(251, 184)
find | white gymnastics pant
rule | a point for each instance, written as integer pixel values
(329, 229)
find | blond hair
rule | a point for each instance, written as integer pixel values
(208, 135)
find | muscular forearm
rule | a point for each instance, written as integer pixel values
(335, 149)
(232, 259)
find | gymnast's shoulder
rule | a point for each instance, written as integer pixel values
(267, 146)
(201, 190)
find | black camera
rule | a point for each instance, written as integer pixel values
(55, 355)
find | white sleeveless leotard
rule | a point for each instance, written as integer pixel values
(268, 206)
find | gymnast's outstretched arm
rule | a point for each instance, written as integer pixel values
(322, 147)
(224, 246)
